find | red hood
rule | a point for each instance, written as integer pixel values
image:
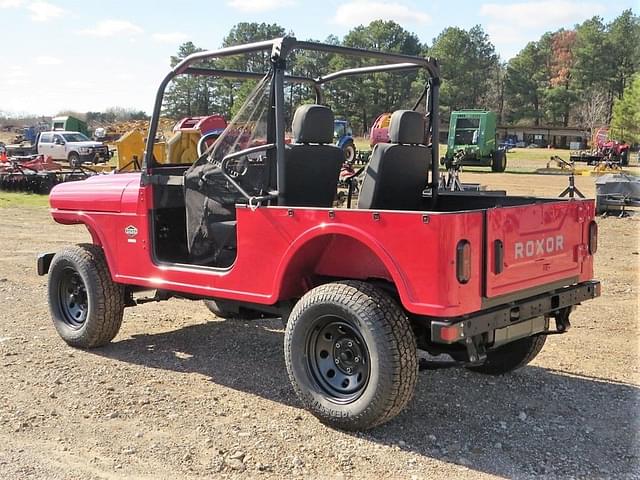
(100, 193)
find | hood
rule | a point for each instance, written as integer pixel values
(100, 193)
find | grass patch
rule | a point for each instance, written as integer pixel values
(19, 199)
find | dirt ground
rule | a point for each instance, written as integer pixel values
(181, 394)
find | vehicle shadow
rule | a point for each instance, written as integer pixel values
(532, 422)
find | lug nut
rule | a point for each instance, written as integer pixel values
(337, 361)
(356, 359)
(349, 370)
(337, 345)
(349, 344)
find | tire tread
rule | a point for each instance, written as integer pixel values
(392, 325)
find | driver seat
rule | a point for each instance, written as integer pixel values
(312, 163)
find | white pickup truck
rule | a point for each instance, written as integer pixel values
(74, 147)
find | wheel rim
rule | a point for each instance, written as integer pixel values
(73, 298)
(338, 359)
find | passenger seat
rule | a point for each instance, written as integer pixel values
(397, 172)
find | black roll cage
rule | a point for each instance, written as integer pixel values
(280, 48)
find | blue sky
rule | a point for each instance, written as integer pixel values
(91, 55)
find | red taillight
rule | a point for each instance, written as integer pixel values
(463, 261)
(593, 237)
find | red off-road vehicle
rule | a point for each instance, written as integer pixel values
(250, 227)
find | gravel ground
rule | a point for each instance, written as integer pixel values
(181, 394)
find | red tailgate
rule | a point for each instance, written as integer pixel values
(533, 245)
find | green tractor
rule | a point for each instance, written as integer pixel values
(473, 141)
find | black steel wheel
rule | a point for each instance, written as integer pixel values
(338, 358)
(351, 355)
(86, 305)
(72, 292)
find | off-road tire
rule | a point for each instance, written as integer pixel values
(105, 299)
(499, 161)
(349, 150)
(390, 347)
(511, 356)
(74, 160)
(219, 311)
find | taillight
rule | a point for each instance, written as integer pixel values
(463, 261)
(593, 237)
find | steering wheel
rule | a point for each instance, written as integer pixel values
(237, 167)
(202, 143)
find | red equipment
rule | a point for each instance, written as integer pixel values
(37, 174)
(604, 149)
(204, 125)
(380, 129)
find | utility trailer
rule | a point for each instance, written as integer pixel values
(251, 228)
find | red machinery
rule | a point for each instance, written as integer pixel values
(36, 174)
(605, 149)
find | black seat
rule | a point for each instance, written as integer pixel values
(397, 172)
(312, 163)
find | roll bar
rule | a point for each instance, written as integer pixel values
(280, 48)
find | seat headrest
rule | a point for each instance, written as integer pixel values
(407, 126)
(313, 124)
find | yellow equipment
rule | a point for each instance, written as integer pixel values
(183, 147)
(130, 148)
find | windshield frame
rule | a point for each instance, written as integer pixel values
(280, 48)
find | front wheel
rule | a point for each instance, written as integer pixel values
(351, 355)
(74, 160)
(511, 356)
(86, 305)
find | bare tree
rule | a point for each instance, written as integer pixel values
(592, 112)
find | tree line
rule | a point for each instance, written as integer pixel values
(570, 77)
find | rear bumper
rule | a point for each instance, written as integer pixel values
(485, 321)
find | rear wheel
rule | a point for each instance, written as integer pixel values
(499, 161)
(511, 356)
(349, 152)
(85, 304)
(351, 355)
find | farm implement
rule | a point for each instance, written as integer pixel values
(606, 152)
(37, 174)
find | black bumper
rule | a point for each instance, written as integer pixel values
(484, 321)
